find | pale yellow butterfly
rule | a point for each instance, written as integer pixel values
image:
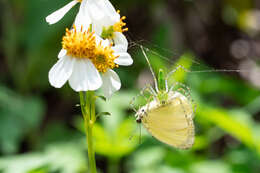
(168, 116)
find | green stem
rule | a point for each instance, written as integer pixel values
(87, 102)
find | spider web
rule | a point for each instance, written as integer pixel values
(175, 55)
(198, 66)
(246, 72)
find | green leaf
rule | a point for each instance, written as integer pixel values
(226, 120)
(20, 116)
(210, 166)
(102, 113)
(115, 146)
(63, 157)
(112, 138)
(186, 62)
(102, 98)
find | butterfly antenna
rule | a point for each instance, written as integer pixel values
(140, 134)
(150, 67)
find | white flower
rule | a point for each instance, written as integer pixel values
(103, 14)
(111, 81)
(58, 15)
(82, 20)
(74, 64)
(87, 62)
(105, 20)
(81, 73)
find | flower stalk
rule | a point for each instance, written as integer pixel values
(87, 102)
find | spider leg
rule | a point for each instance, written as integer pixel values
(148, 88)
(187, 93)
(172, 72)
(185, 89)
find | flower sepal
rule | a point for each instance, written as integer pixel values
(102, 98)
(103, 114)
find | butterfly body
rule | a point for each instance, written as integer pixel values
(171, 122)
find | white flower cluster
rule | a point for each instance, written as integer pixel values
(92, 48)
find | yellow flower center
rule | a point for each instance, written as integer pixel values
(79, 44)
(104, 58)
(108, 32)
(118, 27)
(79, 1)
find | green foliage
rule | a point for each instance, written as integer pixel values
(185, 61)
(148, 160)
(65, 158)
(23, 113)
(211, 166)
(232, 121)
(113, 137)
(37, 134)
(228, 121)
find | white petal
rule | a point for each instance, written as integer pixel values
(123, 59)
(82, 18)
(120, 39)
(97, 27)
(57, 15)
(95, 12)
(103, 12)
(98, 39)
(85, 76)
(104, 43)
(109, 9)
(111, 83)
(61, 71)
(62, 53)
(119, 48)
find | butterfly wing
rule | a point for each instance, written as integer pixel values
(172, 123)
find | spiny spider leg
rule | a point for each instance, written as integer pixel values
(172, 72)
(187, 92)
(147, 88)
(184, 88)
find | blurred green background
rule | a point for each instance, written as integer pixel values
(41, 127)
